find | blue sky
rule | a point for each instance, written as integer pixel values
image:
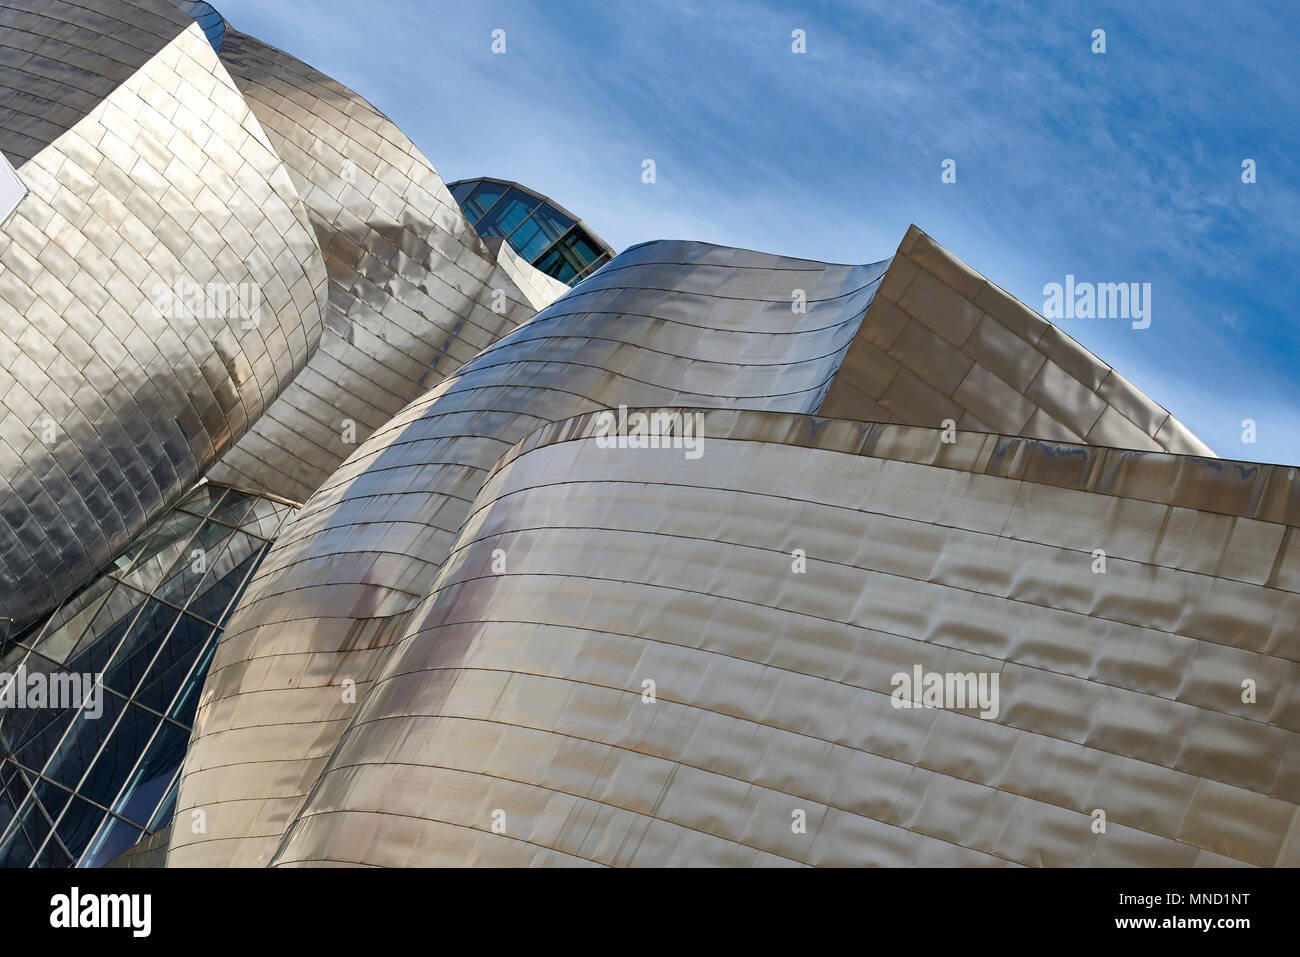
(1115, 167)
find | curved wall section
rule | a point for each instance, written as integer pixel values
(64, 57)
(665, 323)
(623, 661)
(413, 292)
(159, 285)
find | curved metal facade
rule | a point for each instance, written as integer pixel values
(443, 658)
(511, 725)
(667, 322)
(942, 342)
(671, 323)
(413, 292)
(159, 285)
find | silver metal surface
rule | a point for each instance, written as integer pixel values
(683, 324)
(942, 342)
(667, 322)
(443, 657)
(510, 726)
(413, 292)
(145, 168)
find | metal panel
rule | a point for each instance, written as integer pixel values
(413, 292)
(116, 395)
(510, 724)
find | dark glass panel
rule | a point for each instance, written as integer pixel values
(461, 190)
(120, 752)
(604, 258)
(569, 256)
(540, 230)
(225, 582)
(482, 199)
(167, 806)
(53, 855)
(173, 662)
(114, 837)
(78, 825)
(149, 782)
(506, 215)
(30, 827)
(187, 701)
(100, 640)
(76, 752)
(13, 790)
(139, 646)
(31, 733)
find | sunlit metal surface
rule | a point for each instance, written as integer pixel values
(669, 323)
(413, 293)
(511, 725)
(942, 342)
(666, 322)
(151, 173)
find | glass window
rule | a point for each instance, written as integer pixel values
(113, 765)
(507, 214)
(76, 751)
(544, 227)
(569, 256)
(145, 646)
(604, 258)
(25, 835)
(482, 199)
(142, 640)
(461, 190)
(114, 837)
(153, 776)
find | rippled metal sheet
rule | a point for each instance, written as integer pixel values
(509, 726)
(413, 292)
(155, 171)
(666, 322)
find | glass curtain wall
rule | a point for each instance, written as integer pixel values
(80, 784)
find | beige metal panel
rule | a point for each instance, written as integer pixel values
(115, 400)
(772, 688)
(413, 292)
(342, 582)
(1015, 373)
